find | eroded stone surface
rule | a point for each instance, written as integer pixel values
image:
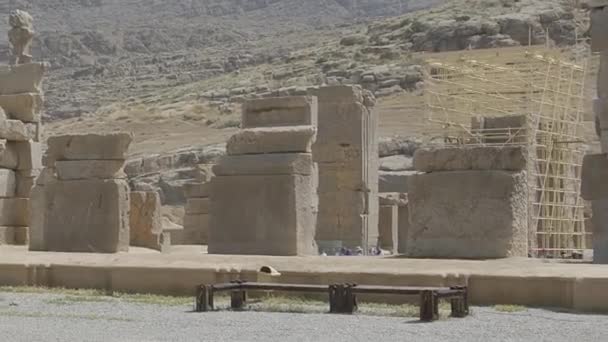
(112, 146)
(280, 111)
(292, 139)
(145, 220)
(25, 107)
(24, 78)
(468, 214)
(432, 159)
(90, 169)
(87, 216)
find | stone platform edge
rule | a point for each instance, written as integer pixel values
(572, 292)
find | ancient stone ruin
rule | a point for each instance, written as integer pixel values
(471, 202)
(20, 37)
(595, 166)
(81, 204)
(263, 198)
(21, 103)
(145, 221)
(346, 152)
(196, 220)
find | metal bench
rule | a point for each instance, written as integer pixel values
(342, 297)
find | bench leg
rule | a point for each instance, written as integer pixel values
(342, 300)
(428, 306)
(238, 299)
(460, 305)
(203, 302)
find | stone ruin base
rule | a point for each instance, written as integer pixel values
(263, 199)
(471, 203)
(81, 200)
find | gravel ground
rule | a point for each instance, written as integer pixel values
(50, 317)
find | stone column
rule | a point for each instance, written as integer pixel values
(263, 198)
(145, 220)
(83, 203)
(347, 155)
(196, 220)
(595, 165)
(21, 102)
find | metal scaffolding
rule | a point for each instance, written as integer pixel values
(527, 96)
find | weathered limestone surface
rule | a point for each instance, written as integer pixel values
(24, 78)
(25, 107)
(263, 198)
(7, 236)
(8, 183)
(195, 231)
(20, 36)
(14, 212)
(388, 227)
(599, 29)
(600, 108)
(197, 190)
(145, 220)
(280, 111)
(346, 151)
(468, 214)
(29, 155)
(16, 130)
(198, 206)
(595, 167)
(25, 181)
(265, 164)
(265, 215)
(9, 155)
(111, 146)
(600, 230)
(594, 184)
(13, 236)
(90, 169)
(510, 158)
(291, 139)
(394, 181)
(87, 216)
(602, 78)
(403, 227)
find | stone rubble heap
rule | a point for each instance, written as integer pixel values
(81, 202)
(472, 202)
(595, 166)
(21, 101)
(263, 199)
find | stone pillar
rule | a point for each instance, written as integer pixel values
(472, 202)
(595, 189)
(145, 220)
(196, 220)
(347, 155)
(83, 203)
(21, 103)
(263, 198)
(596, 165)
